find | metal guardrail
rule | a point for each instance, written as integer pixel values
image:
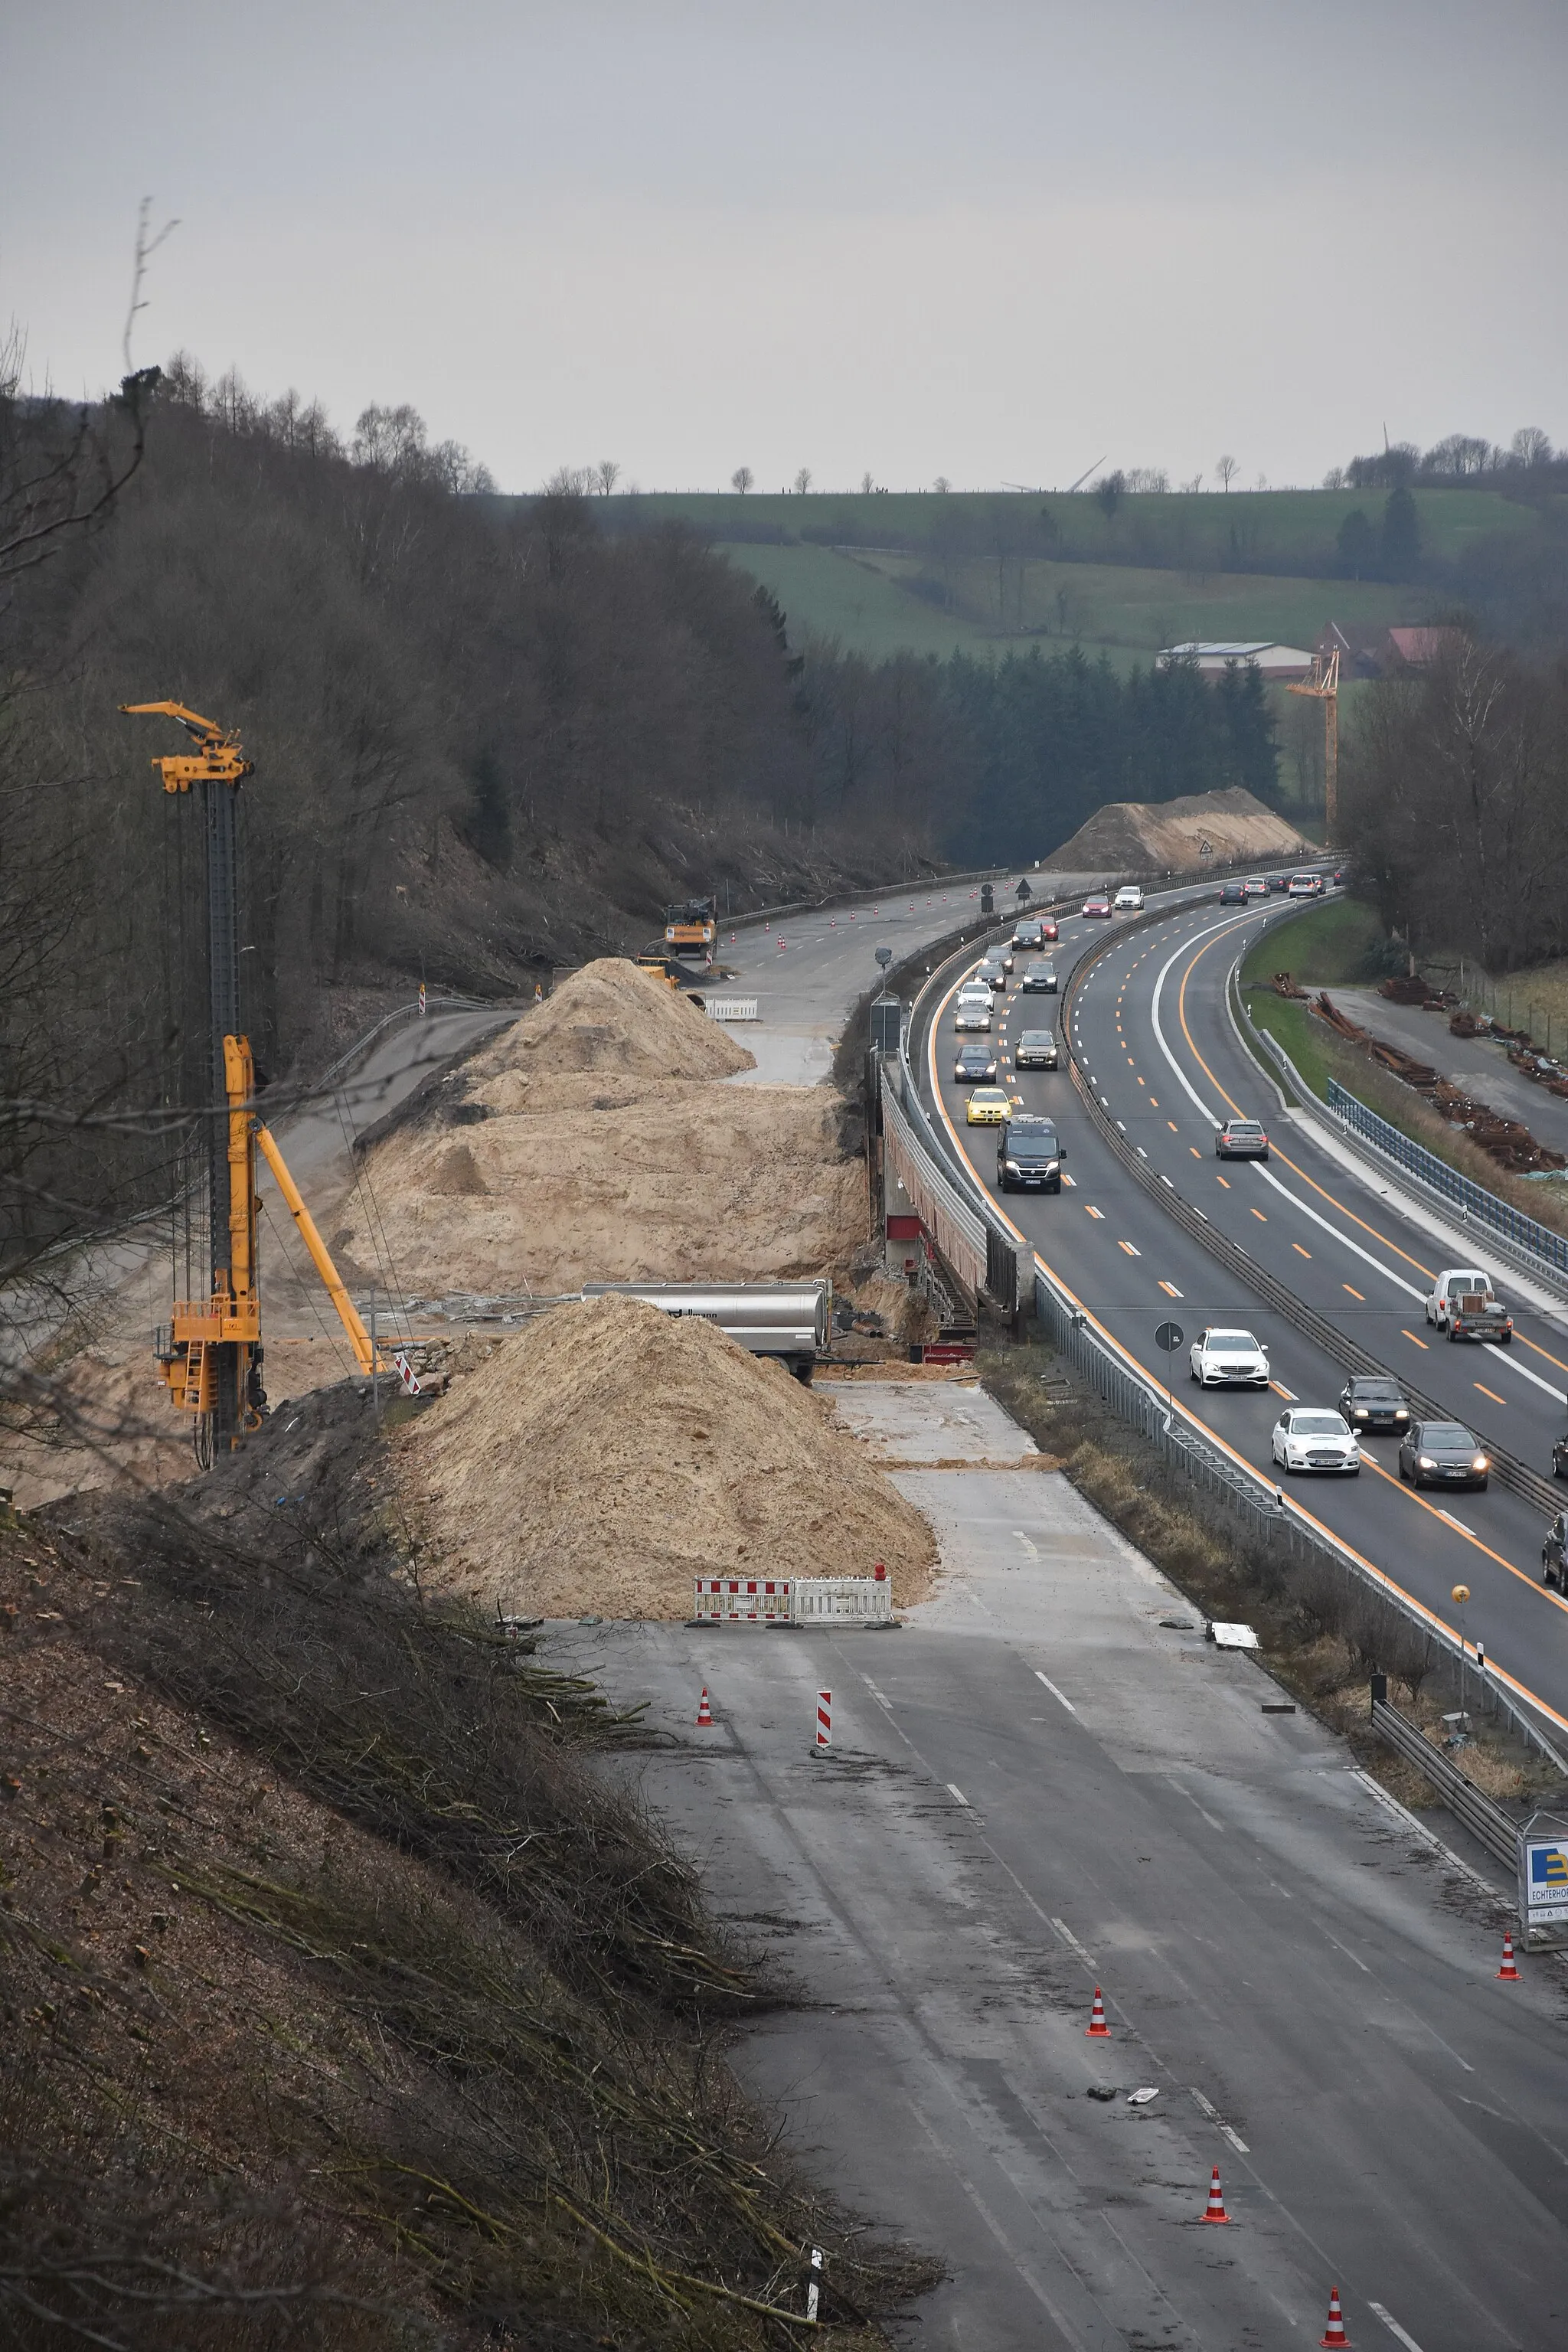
(1485, 1820)
(947, 1216)
(1437, 1175)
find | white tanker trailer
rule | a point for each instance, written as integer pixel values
(790, 1320)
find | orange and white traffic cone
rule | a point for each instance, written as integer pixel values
(1333, 2338)
(704, 1712)
(1508, 1972)
(1215, 2210)
(1097, 2025)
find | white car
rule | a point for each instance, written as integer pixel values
(1228, 1360)
(1128, 899)
(975, 1013)
(1306, 1437)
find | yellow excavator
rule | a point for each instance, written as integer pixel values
(211, 1350)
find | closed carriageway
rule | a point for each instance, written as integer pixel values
(1340, 1248)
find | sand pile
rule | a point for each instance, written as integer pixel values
(595, 1140)
(1144, 836)
(597, 1463)
(614, 1016)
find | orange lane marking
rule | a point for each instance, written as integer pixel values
(1170, 1290)
(1257, 1212)
(1129, 1247)
(1413, 1339)
(1094, 1213)
(1196, 1152)
(1354, 1292)
(1174, 1130)
(1492, 1392)
(1219, 1180)
(1139, 1081)
(1299, 1251)
(1152, 1103)
(1458, 1528)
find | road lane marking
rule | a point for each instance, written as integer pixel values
(1219, 1180)
(1492, 1392)
(1299, 1251)
(1095, 1212)
(1170, 1290)
(1235, 2139)
(1413, 1339)
(954, 1791)
(1413, 1495)
(1289, 1395)
(1065, 1933)
(1152, 1103)
(1524, 1371)
(1394, 2327)
(1196, 1152)
(1354, 1291)
(1176, 1130)
(1259, 1215)
(1129, 1247)
(1054, 1692)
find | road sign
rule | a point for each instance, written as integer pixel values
(1205, 849)
(1543, 1880)
(1169, 1337)
(884, 957)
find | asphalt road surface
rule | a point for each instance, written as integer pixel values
(1155, 1037)
(1037, 1787)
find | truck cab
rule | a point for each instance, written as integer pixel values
(1463, 1303)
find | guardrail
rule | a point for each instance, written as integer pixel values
(1438, 1177)
(1485, 1820)
(947, 1216)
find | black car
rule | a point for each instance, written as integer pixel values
(1029, 1154)
(1030, 933)
(1279, 883)
(1555, 1554)
(1560, 1457)
(973, 1064)
(1232, 894)
(1375, 1403)
(1442, 1453)
(1041, 979)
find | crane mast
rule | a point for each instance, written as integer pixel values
(1323, 687)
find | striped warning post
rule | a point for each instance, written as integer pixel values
(823, 1739)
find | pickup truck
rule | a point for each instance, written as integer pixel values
(1463, 1303)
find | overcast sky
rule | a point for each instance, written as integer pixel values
(989, 240)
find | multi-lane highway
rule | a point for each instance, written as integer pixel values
(1154, 1036)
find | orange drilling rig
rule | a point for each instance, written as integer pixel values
(211, 1350)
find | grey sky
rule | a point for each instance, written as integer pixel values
(990, 241)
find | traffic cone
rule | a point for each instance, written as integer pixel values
(1333, 2334)
(1508, 1972)
(1215, 2210)
(704, 1712)
(1097, 2025)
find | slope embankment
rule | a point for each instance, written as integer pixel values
(1169, 836)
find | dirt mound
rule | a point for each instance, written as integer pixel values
(1157, 836)
(600, 1462)
(614, 1016)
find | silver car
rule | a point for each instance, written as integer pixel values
(1035, 1050)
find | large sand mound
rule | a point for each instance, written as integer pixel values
(594, 1140)
(614, 1016)
(1157, 836)
(599, 1463)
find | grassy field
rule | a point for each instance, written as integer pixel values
(1336, 945)
(1285, 529)
(849, 599)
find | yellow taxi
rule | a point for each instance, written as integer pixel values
(987, 1106)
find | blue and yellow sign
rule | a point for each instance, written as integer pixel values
(1545, 1876)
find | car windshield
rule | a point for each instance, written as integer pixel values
(1317, 1424)
(1447, 1432)
(1244, 1127)
(1035, 1037)
(1031, 1130)
(1232, 1339)
(1376, 1392)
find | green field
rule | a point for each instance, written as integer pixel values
(1336, 945)
(851, 601)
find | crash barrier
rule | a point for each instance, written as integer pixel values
(1477, 1202)
(742, 1601)
(733, 1008)
(1485, 1820)
(793, 1599)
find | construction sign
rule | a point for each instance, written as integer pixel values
(1543, 1880)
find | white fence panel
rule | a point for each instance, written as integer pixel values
(743, 1599)
(735, 1008)
(842, 1600)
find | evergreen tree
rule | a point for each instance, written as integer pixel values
(1401, 537)
(1357, 545)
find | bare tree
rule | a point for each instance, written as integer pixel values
(1225, 468)
(867, 484)
(606, 474)
(1530, 446)
(740, 480)
(146, 247)
(942, 484)
(803, 482)
(1195, 484)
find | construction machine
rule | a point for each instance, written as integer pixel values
(211, 1349)
(691, 929)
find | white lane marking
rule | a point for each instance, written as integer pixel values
(1236, 2139)
(1019, 1536)
(1065, 1933)
(953, 1790)
(1192, 1801)
(1209, 2109)
(876, 1693)
(1054, 1692)
(1507, 1358)
(1394, 2327)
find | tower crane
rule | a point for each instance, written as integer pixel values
(211, 1349)
(1323, 687)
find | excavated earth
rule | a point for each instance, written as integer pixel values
(597, 1463)
(596, 1140)
(1166, 836)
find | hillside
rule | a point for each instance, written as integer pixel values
(1138, 838)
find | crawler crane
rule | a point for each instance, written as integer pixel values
(211, 1350)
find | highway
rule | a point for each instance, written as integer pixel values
(1154, 1038)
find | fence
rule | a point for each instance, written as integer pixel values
(733, 1008)
(1474, 1199)
(1485, 1820)
(843, 1600)
(958, 1232)
(742, 1600)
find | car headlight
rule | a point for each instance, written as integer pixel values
(1361, 1413)
(1425, 1462)
(1480, 1463)
(1012, 1167)
(1053, 1167)
(1400, 1413)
